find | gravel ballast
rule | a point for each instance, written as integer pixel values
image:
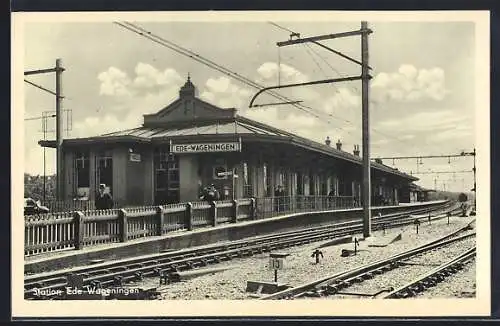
(299, 266)
(404, 274)
(462, 284)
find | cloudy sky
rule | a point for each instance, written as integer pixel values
(421, 95)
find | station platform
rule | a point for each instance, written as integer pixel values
(60, 260)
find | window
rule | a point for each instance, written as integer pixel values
(166, 167)
(312, 188)
(341, 189)
(82, 167)
(335, 181)
(300, 184)
(245, 172)
(282, 179)
(248, 181)
(324, 186)
(104, 170)
(306, 184)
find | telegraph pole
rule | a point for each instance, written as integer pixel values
(44, 127)
(365, 79)
(58, 70)
(59, 155)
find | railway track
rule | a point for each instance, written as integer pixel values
(333, 284)
(166, 264)
(433, 277)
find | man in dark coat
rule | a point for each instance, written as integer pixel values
(210, 194)
(103, 199)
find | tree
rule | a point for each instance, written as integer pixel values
(33, 187)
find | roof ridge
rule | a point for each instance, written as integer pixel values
(332, 149)
(115, 132)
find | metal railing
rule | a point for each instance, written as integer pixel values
(274, 206)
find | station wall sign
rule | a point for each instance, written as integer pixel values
(205, 147)
(134, 157)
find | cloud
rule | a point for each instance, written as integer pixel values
(114, 82)
(223, 92)
(409, 84)
(268, 74)
(129, 99)
(93, 125)
(147, 80)
(148, 77)
(342, 100)
(218, 85)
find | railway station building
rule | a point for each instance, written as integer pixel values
(190, 144)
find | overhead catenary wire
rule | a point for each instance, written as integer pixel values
(353, 87)
(336, 89)
(322, 116)
(40, 87)
(201, 59)
(179, 49)
(40, 118)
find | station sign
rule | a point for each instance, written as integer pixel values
(205, 147)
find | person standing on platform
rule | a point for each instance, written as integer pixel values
(279, 194)
(215, 192)
(331, 197)
(103, 199)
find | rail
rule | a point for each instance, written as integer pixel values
(78, 229)
(168, 264)
(431, 278)
(331, 284)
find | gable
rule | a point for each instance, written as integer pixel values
(188, 109)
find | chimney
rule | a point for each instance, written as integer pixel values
(339, 145)
(356, 150)
(328, 141)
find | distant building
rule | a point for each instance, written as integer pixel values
(191, 143)
(415, 193)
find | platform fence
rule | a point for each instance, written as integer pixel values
(76, 229)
